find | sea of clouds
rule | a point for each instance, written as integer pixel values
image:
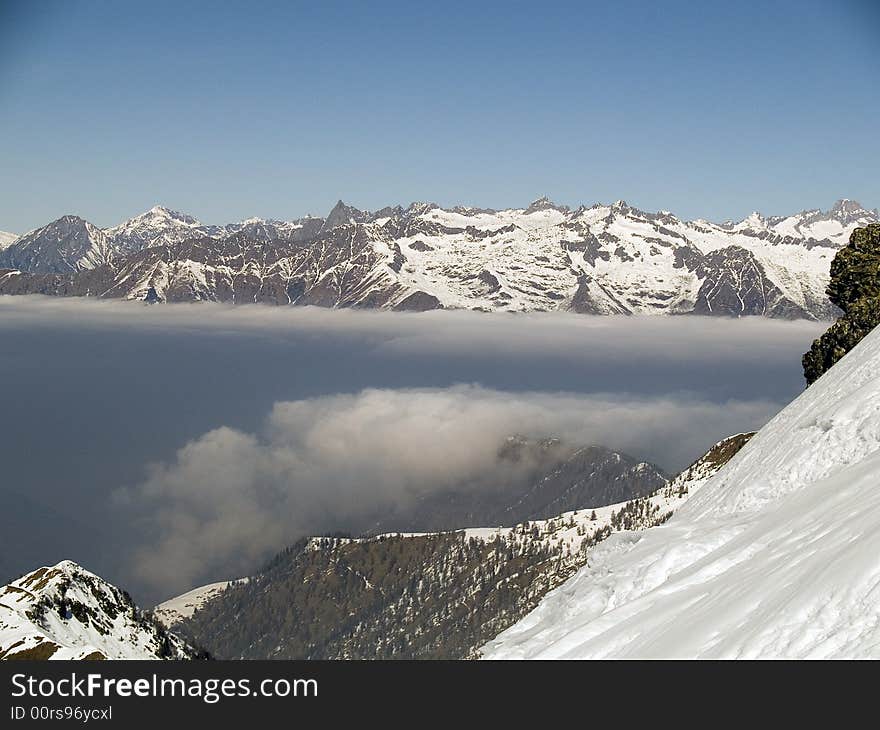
(190, 442)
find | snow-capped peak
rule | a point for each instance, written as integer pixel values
(544, 203)
(848, 211)
(845, 205)
(159, 225)
(160, 211)
(68, 244)
(342, 214)
(65, 612)
(159, 215)
(833, 225)
(418, 207)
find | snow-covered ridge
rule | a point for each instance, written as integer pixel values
(185, 605)
(7, 239)
(775, 557)
(66, 612)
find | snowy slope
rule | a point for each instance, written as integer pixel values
(183, 606)
(65, 612)
(7, 239)
(617, 259)
(834, 225)
(775, 557)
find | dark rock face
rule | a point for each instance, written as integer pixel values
(585, 301)
(735, 284)
(343, 214)
(590, 246)
(687, 257)
(420, 246)
(855, 288)
(418, 301)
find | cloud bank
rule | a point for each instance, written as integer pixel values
(229, 498)
(455, 332)
(263, 424)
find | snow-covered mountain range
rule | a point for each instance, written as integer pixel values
(601, 259)
(66, 612)
(775, 557)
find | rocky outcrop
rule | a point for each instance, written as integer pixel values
(855, 289)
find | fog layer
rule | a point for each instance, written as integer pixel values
(191, 441)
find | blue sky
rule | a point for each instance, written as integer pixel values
(228, 110)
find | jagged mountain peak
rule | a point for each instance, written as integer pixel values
(544, 203)
(848, 211)
(159, 225)
(389, 211)
(624, 209)
(160, 211)
(419, 207)
(844, 209)
(68, 219)
(67, 225)
(64, 611)
(158, 215)
(845, 205)
(342, 213)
